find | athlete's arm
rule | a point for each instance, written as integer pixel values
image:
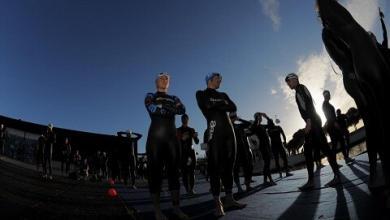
(177, 108)
(155, 108)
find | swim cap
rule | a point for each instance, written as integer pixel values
(291, 76)
(209, 76)
(162, 74)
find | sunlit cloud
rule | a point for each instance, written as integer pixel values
(271, 10)
(318, 72)
(274, 92)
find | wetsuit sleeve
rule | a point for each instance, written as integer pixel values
(245, 124)
(306, 102)
(385, 40)
(163, 109)
(230, 106)
(206, 104)
(177, 108)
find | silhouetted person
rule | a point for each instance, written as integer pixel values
(162, 145)
(50, 138)
(221, 140)
(3, 136)
(186, 135)
(66, 154)
(84, 169)
(275, 133)
(128, 157)
(315, 136)
(264, 146)
(244, 157)
(40, 151)
(343, 124)
(77, 161)
(103, 164)
(333, 128)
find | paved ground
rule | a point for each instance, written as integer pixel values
(23, 194)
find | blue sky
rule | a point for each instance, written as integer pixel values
(87, 64)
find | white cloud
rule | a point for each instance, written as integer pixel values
(315, 70)
(271, 10)
(274, 92)
(365, 12)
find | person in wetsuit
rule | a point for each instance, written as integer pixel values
(50, 138)
(162, 146)
(65, 156)
(342, 120)
(275, 133)
(221, 140)
(314, 135)
(188, 159)
(264, 146)
(2, 138)
(244, 157)
(40, 151)
(333, 128)
(128, 156)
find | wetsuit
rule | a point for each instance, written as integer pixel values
(40, 151)
(342, 121)
(244, 157)
(221, 139)
(50, 138)
(334, 132)
(128, 157)
(264, 146)
(162, 146)
(277, 147)
(187, 166)
(65, 160)
(2, 139)
(316, 138)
